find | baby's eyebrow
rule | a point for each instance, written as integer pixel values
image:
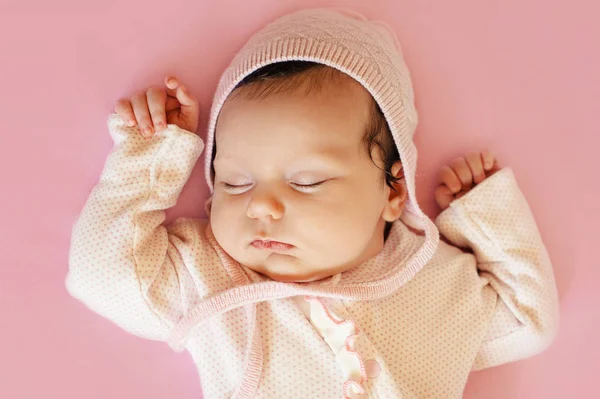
(225, 161)
(318, 162)
(229, 166)
(335, 161)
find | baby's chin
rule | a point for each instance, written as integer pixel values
(287, 269)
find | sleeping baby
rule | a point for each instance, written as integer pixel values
(315, 274)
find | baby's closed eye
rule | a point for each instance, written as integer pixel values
(236, 188)
(307, 187)
(304, 186)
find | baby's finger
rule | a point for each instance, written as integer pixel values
(172, 104)
(123, 108)
(443, 196)
(157, 97)
(175, 88)
(172, 83)
(142, 114)
(495, 167)
(462, 170)
(185, 97)
(476, 164)
(448, 177)
(488, 159)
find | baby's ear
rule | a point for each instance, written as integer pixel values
(208, 205)
(397, 197)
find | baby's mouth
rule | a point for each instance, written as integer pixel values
(271, 245)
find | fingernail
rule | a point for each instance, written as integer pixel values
(131, 123)
(160, 125)
(147, 131)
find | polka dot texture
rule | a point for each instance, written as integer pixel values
(494, 221)
(463, 311)
(123, 263)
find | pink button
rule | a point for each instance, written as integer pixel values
(372, 368)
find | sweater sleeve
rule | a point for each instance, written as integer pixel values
(122, 263)
(495, 222)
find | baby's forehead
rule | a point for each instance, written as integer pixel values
(320, 88)
(313, 106)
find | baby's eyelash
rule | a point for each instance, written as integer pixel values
(308, 186)
(231, 186)
(301, 187)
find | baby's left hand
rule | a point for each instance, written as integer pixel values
(457, 179)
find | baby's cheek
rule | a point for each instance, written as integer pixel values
(344, 227)
(219, 220)
(356, 220)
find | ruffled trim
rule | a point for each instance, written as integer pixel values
(349, 346)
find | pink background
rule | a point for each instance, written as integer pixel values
(520, 77)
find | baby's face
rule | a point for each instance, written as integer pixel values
(292, 168)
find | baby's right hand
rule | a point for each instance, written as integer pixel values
(153, 109)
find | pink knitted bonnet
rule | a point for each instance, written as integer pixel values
(366, 50)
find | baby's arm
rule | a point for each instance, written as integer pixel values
(120, 261)
(495, 221)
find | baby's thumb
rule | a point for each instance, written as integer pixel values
(190, 110)
(178, 90)
(184, 97)
(443, 196)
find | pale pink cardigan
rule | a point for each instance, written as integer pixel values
(462, 311)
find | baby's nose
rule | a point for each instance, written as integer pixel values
(264, 205)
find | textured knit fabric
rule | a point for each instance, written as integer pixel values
(487, 299)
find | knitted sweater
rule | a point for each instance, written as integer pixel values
(486, 297)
